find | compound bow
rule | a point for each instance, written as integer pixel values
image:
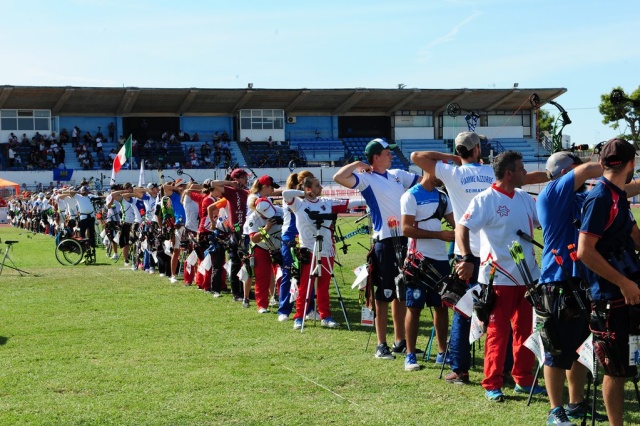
(560, 123)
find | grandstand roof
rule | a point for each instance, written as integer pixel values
(134, 101)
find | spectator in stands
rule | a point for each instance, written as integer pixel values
(61, 155)
(205, 149)
(247, 140)
(113, 154)
(225, 137)
(270, 141)
(38, 137)
(112, 131)
(195, 137)
(64, 137)
(88, 139)
(13, 138)
(75, 133)
(121, 141)
(12, 157)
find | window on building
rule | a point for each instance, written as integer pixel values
(27, 120)
(258, 119)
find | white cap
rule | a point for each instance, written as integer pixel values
(265, 208)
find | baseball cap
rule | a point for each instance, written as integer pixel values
(559, 162)
(265, 208)
(376, 146)
(617, 151)
(152, 185)
(84, 189)
(207, 182)
(469, 140)
(237, 173)
(268, 180)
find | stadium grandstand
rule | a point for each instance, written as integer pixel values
(196, 128)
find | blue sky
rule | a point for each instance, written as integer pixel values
(588, 47)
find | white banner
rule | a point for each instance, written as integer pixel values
(585, 353)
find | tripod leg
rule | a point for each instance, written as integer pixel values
(588, 395)
(312, 274)
(444, 361)
(427, 351)
(533, 385)
(344, 310)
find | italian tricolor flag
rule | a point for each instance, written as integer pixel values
(123, 155)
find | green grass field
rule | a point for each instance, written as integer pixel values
(100, 345)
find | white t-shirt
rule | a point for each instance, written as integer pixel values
(463, 183)
(84, 204)
(254, 222)
(307, 228)
(497, 217)
(191, 213)
(382, 193)
(422, 204)
(128, 210)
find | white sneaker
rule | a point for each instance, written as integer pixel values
(263, 310)
(273, 302)
(115, 256)
(313, 315)
(151, 270)
(162, 275)
(283, 317)
(329, 323)
(173, 280)
(126, 264)
(216, 294)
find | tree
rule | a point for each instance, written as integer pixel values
(627, 110)
(545, 121)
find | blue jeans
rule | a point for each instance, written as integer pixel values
(459, 346)
(285, 282)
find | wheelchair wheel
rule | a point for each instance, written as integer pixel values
(90, 256)
(69, 252)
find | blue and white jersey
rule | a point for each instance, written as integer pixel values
(382, 193)
(422, 204)
(289, 228)
(463, 183)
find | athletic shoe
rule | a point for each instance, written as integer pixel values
(313, 315)
(245, 303)
(173, 280)
(126, 264)
(577, 412)
(558, 416)
(411, 363)
(114, 257)
(239, 299)
(494, 395)
(329, 323)
(273, 302)
(283, 317)
(440, 359)
(401, 348)
(162, 274)
(297, 324)
(216, 294)
(461, 378)
(383, 352)
(537, 390)
(263, 310)
(133, 268)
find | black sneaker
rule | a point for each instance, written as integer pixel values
(383, 352)
(245, 303)
(577, 412)
(401, 348)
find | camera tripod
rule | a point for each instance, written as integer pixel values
(317, 267)
(6, 258)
